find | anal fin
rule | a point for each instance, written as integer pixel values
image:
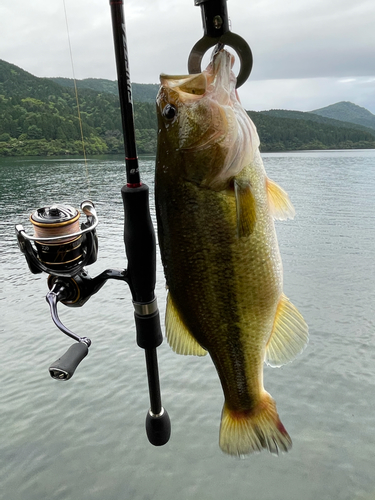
(289, 334)
(179, 337)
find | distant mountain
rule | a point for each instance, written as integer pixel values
(142, 92)
(281, 130)
(16, 81)
(348, 112)
(317, 118)
(38, 116)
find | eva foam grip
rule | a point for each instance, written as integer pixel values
(64, 367)
(158, 428)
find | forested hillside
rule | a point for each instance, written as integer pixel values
(142, 92)
(39, 117)
(348, 112)
(316, 118)
(293, 130)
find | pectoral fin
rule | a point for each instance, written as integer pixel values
(289, 334)
(245, 208)
(281, 207)
(178, 336)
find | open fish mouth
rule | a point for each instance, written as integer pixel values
(204, 103)
(217, 79)
(188, 87)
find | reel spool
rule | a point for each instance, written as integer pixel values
(60, 246)
(54, 222)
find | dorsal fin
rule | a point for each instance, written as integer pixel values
(289, 334)
(245, 208)
(281, 207)
(179, 337)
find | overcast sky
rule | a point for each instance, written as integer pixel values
(307, 53)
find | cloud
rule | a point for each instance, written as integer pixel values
(301, 49)
(306, 94)
(315, 39)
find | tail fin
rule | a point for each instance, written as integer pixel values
(244, 432)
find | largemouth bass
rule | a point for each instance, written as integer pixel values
(215, 209)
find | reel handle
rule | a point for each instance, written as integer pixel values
(64, 367)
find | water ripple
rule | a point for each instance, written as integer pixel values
(85, 438)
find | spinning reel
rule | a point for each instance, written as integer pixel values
(62, 248)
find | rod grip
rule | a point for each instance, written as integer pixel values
(158, 428)
(64, 367)
(140, 244)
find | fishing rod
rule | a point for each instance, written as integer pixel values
(139, 237)
(62, 248)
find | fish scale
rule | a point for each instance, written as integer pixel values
(215, 208)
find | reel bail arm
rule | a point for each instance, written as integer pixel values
(216, 31)
(59, 246)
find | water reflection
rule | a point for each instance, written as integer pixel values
(85, 438)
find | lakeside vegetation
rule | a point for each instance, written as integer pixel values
(39, 117)
(281, 133)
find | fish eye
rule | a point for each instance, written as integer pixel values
(169, 112)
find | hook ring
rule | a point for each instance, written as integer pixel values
(234, 41)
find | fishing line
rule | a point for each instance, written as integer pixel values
(77, 100)
(63, 229)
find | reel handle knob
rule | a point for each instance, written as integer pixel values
(158, 427)
(64, 367)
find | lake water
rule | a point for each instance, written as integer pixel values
(85, 439)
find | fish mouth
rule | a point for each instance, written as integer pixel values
(217, 80)
(213, 87)
(188, 87)
(191, 93)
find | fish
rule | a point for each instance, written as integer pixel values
(215, 209)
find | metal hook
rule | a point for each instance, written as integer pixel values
(234, 41)
(216, 30)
